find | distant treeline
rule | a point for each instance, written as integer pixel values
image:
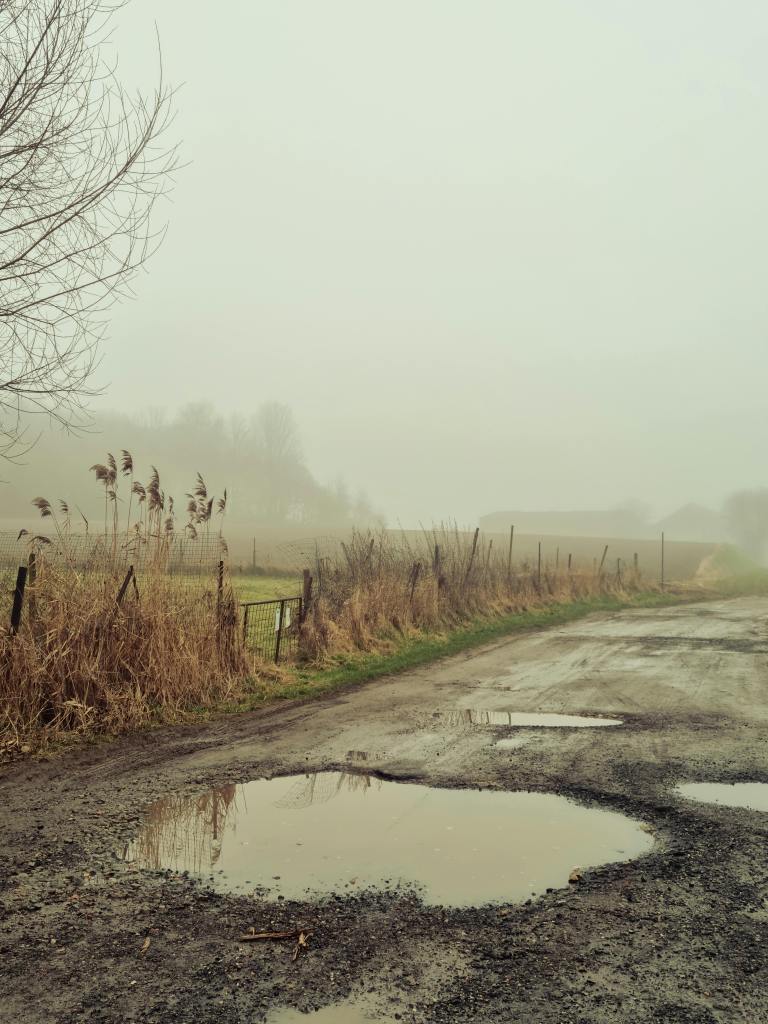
(257, 458)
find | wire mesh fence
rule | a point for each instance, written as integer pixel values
(171, 553)
(127, 568)
(119, 571)
(271, 628)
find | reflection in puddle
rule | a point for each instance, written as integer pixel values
(751, 795)
(521, 718)
(340, 1014)
(335, 832)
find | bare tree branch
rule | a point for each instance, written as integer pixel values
(82, 165)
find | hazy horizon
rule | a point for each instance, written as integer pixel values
(493, 256)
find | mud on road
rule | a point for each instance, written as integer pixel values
(680, 935)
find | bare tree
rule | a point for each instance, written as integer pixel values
(81, 166)
(275, 430)
(746, 513)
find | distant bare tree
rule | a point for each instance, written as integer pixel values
(746, 513)
(275, 430)
(81, 166)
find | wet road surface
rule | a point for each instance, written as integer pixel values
(679, 935)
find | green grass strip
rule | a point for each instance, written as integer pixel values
(422, 650)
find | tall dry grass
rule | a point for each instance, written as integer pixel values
(103, 649)
(380, 587)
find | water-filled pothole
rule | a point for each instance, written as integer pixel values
(341, 1013)
(522, 719)
(336, 832)
(513, 742)
(751, 795)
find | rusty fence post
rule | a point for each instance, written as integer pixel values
(18, 599)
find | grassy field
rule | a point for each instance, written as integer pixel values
(265, 588)
(293, 549)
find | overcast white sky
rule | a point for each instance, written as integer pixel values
(495, 253)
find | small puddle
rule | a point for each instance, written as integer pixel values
(751, 795)
(523, 719)
(341, 1013)
(337, 832)
(513, 742)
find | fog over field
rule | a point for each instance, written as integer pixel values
(498, 255)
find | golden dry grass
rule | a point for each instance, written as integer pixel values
(100, 651)
(380, 587)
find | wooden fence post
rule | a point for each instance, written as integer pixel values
(602, 560)
(220, 591)
(124, 586)
(18, 599)
(306, 594)
(472, 555)
(538, 570)
(31, 577)
(415, 572)
(509, 553)
(662, 561)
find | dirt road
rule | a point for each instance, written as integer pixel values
(680, 935)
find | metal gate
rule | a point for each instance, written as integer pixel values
(271, 628)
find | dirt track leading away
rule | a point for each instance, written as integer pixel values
(678, 936)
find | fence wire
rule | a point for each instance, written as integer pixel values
(271, 628)
(172, 553)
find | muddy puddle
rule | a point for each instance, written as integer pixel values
(750, 795)
(337, 832)
(521, 719)
(512, 742)
(342, 1013)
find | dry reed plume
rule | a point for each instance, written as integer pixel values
(104, 648)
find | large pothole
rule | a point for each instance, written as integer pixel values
(333, 832)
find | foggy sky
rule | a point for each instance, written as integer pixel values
(494, 253)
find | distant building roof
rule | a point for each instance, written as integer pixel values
(690, 522)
